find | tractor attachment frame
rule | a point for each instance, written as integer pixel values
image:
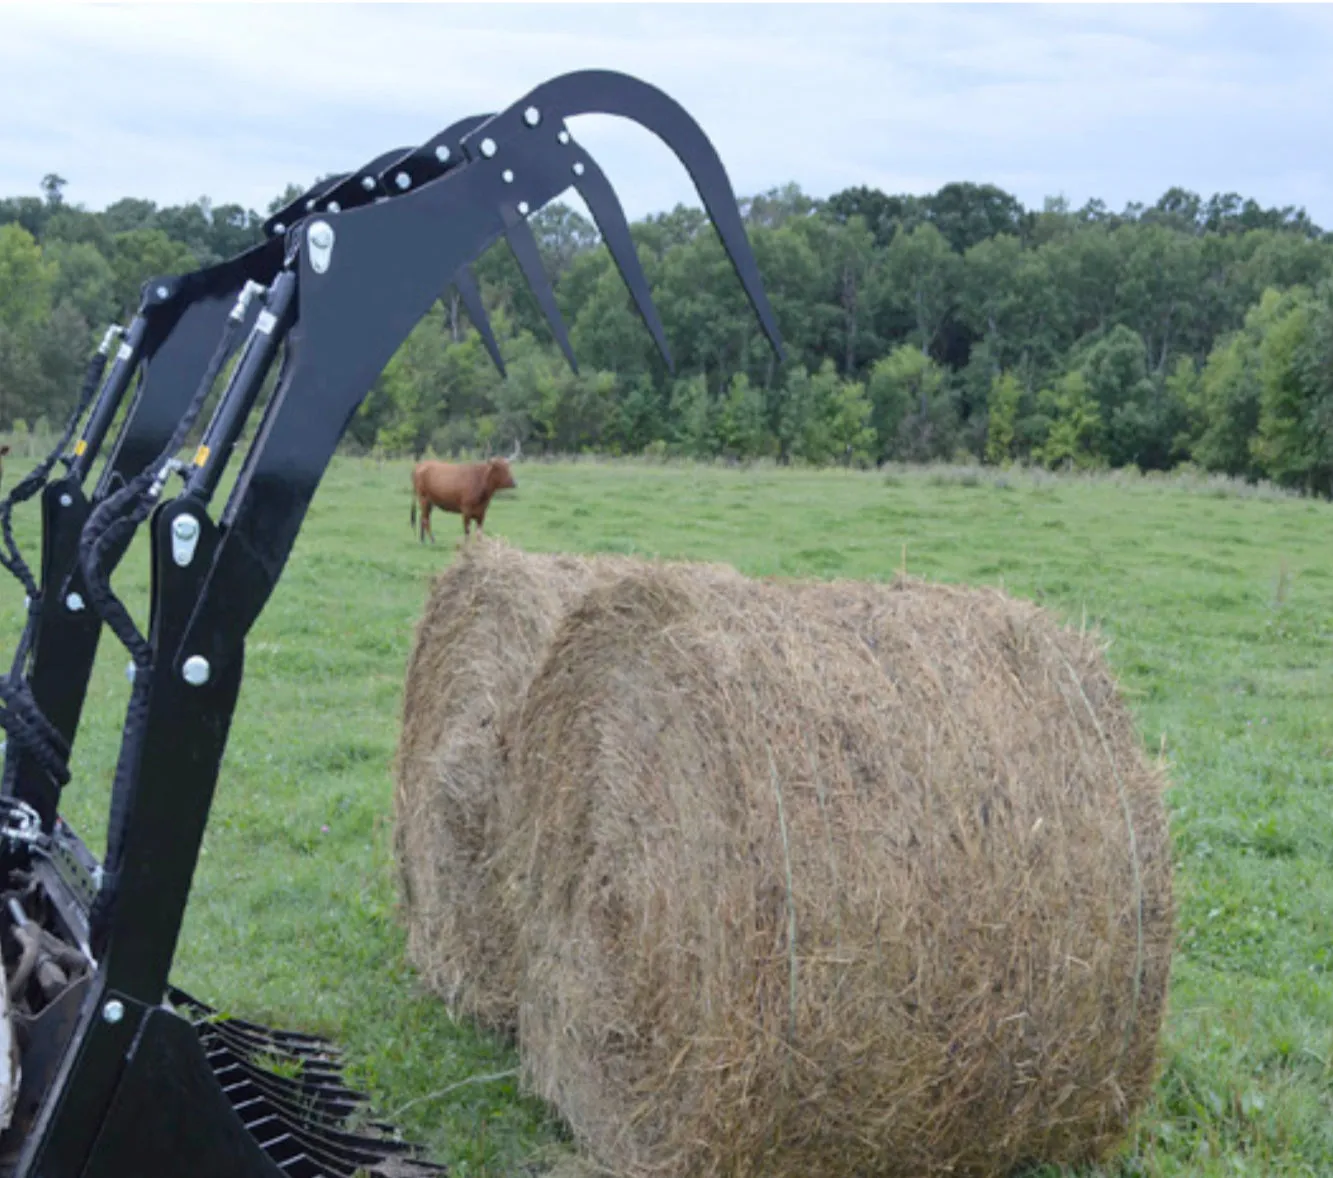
(123, 1074)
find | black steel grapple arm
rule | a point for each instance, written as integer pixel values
(129, 1073)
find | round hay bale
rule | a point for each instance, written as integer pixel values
(486, 624)
(832, 880)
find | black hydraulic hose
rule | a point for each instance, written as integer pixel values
(24, 722)
(118, 515)
(35, 480)
(21, 718)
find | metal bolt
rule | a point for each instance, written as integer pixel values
(184, 539)
(162, 292)
(442, 153)
(563, 136)
(578, 168)
(532, 116)
(74, 603)
(508, 176)
(335, 207)
(488, 147)
(129, 670)
(279, 227)
(522, 208)
(403, 180)
(320, 237)
(65, 500)
(310, 205)
(113, 1011)
(196, 670)
(368, 183)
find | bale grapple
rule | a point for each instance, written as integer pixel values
(108, 1070)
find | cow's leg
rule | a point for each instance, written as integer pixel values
(426, 527)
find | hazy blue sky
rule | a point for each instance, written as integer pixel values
(1120, 102)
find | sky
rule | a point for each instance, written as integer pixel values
(171, 102)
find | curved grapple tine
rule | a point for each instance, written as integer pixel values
(612, 93)
(521, 240)
(465, 282)
(602, 201)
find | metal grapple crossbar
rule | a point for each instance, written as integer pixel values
(107, 1070)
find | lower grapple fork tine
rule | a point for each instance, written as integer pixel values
(521, 240)
(597, 193)
(465, 282)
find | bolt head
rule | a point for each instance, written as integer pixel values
(335, 207)
(532, 116)
(488, 147)
(74, 603)
(578, 167)
(321, 235)
(162, 292)
(279, 227)
(563, 136)
(442, 153)
(185, 527)
(113, 1011)
(65, 500)
(508, 176)
(196, 670)
(129, 670)
(368, 183)
(403, 180)
(310, 205)
(522, 208)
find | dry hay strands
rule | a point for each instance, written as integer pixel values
(485, 627)
(832, 880)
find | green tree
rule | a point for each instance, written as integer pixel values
(1006, 395)
(692, 418)
(914, 415)
(26, 279)
(921, 276)
(741, 425)
(1076, 425)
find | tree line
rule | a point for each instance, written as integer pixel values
(953, 326)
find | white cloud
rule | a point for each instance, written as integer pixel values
(1117, 101)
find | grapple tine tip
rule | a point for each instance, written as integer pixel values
(465, 282)
(592, 185)
(524, 245)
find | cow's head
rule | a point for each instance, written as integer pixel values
(498, 475)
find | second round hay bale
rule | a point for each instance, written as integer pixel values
(834, 880)
(485, 627)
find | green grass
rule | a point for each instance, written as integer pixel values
(1220, 607)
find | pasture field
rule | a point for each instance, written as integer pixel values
(1219, 608)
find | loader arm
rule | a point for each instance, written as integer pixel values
(125, 1074)
(166, 347)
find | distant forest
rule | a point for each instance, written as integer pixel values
(955, 326)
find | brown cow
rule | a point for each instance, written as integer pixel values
(464, 488)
